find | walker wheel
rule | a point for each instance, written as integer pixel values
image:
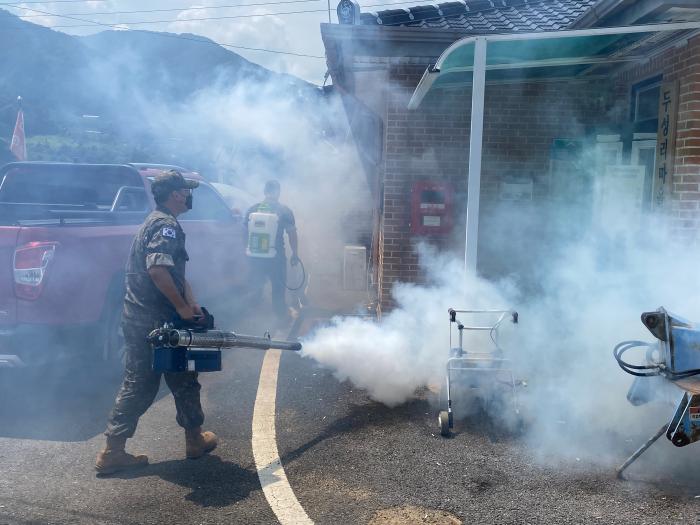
(680, 440)
(444, 421)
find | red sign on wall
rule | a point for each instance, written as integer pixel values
(431, 208)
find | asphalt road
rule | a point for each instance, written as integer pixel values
(348, 459)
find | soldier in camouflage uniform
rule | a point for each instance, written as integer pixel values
(156, 291)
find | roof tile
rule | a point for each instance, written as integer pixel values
(499, 16)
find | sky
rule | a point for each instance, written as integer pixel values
(257, 26)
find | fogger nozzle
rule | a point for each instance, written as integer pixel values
(174, 338)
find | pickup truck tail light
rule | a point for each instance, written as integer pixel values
(31, 262)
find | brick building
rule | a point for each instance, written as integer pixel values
(539, 129)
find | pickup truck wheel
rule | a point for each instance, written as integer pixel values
(113, 346)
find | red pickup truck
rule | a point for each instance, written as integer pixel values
(65, 234)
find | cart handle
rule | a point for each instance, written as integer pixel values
(513, 315)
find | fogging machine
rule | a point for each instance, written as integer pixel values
(674, 358)
(183, 346)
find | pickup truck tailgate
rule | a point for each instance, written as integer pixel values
(8, 303)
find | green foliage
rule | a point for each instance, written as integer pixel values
(89, 148)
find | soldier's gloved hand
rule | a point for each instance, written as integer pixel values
(199, 316)
(294, 260)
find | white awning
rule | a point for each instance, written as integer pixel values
(471, 61)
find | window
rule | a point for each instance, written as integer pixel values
(645, 100)
(207, 206)
(86, 186)
(130, 199)
(644, 154)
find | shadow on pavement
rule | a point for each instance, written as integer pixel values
(212, 481)
(60, 402)
(360, 416)
(70, 399)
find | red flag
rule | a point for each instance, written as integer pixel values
(18, 146)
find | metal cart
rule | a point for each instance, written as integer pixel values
(474, 363)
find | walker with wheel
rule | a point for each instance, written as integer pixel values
(472, 365)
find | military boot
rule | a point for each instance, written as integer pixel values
(198, 443)
(114, 458)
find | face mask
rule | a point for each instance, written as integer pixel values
(188, 202)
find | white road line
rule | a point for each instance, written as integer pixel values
(273, 479)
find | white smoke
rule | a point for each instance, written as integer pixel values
(259, 131)
(590, 297)
(408, 348)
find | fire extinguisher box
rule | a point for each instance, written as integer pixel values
(431, 208)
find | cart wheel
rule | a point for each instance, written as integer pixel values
(680, 439)
(444, 420)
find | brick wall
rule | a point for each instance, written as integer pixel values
(428, 144)
(521, 120)
(683, 64)
(433, 143)
(686, 177)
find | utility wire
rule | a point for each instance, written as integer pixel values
(57, 2)
(196, 7)
(181, 37)
(121, 25)
(171, 20)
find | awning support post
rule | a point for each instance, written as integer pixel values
(476, 133)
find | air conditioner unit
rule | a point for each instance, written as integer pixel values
(354, 268)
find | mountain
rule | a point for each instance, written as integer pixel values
(41, 65)
(104, 84)
(175, 65)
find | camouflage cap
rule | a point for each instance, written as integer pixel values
(171, 180)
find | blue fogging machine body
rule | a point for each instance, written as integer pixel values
(196, 346)
(675, 358)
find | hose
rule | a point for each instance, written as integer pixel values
(648, 370)
(621, 348)
(303, 278)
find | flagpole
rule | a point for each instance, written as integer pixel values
(18, 146)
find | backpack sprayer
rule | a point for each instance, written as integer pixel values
(262, 235)
(674, 358)
(196, 346)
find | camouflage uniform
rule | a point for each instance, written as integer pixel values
(159, 242)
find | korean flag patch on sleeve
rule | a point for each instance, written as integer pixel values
(169, 232)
